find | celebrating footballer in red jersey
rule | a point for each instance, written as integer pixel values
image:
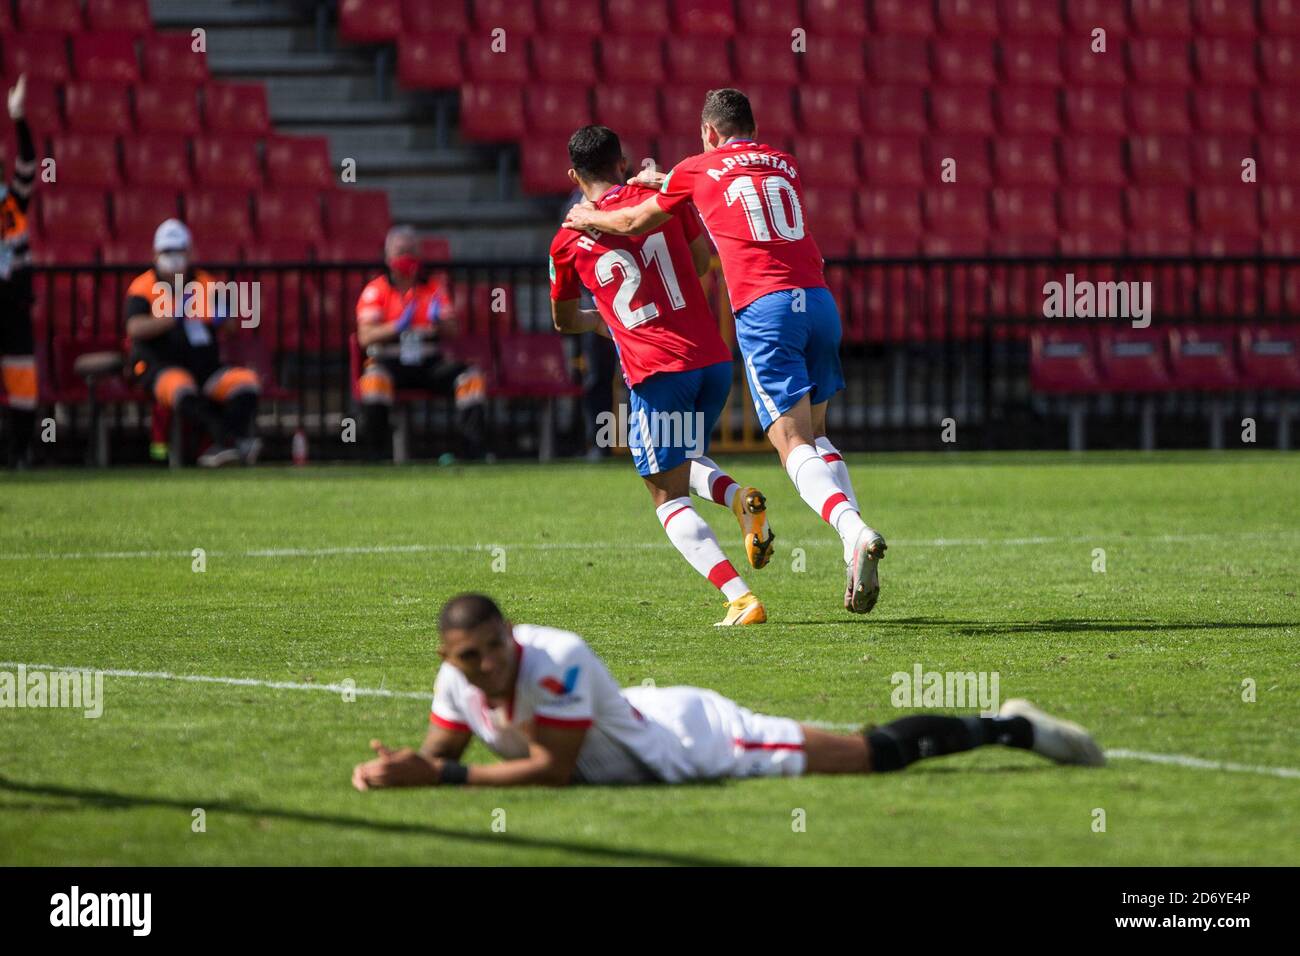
(750, 197)
(677, 368)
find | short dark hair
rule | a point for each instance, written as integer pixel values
(728, 111)
(465, 612)
(595, 152)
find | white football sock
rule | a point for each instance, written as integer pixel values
(816, 485)
(711, 482)
(697, 544)
(839, 470)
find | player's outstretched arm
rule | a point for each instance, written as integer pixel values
(568, 318)
(551, 761)
(631, 221)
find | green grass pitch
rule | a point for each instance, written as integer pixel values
(327, 574)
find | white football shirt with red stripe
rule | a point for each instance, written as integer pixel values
(645, 289)
(635, 735)
(750, 197)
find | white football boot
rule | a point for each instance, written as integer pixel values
(862, 585)
(1061, 740)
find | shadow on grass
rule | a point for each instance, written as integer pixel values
(109, 800)
(1053, 625)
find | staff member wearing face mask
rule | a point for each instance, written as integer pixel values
(400, 316)
(174, 351)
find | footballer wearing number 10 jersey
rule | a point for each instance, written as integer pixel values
(677, 368)
(750, 197)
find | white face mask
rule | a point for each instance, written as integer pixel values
(172, 263)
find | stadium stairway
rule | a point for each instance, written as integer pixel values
(403, 142)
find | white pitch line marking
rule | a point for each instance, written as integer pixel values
(1177, 760)
(625, 545)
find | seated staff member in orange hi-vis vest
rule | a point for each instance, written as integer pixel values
(399, 315)
(174, 350)
(17, 346)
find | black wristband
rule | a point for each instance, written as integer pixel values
(455, 774)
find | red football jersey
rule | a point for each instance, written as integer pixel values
(751, 200)
(645, 289)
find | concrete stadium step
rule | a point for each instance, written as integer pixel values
(170, 14)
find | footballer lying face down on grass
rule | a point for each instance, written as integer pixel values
(543, 701)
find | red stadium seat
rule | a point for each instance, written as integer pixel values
(157, 159)
(971, 153)
(544, 165)
(890, 211)
(1095, 109)
(62, 15)
(350, 248)
(830, 219)
(821, 110)
(510, 15)
(1279, 158)
(637, 17)
(768, 17)
(1091, 244)
(969, 17)
(41, 55)
(1280, 17)
(1270, 356)
(773, 111)
(74, 213)
(680, 106)
(632, 59)
(98, 107)
(491, 112)
(130, 15)
(1158, 243)
(902, 16)
(171, 58)
(1203, 359)
(557, 108)
(299, 161)
(1031, 61)
(1160, 61)
(699, 59)
(1280, 206)
(1279, 110)
(1158, 209)
(236, 108)
(86, 160)
(1026, 161)
(429, 19)
(370, 21)
(278, 250)
(563, 58)
(1092, 210)
(889, 160)
(766, 60)
(957, 211)
(827, 161)
(429, 62)
(1159, 110)
(43, 113)
(107, 57)
(1028, 110)
(1217, 159)
(171, 108)
(1224, 110)
(1225, 18)
(1160, 160)
(290, 214)
(357, 212)
(1226, 61)
(628, 108)
(1134, 360)
(1082, 16)
(673, 149)
(835, 59)
(483, 65)
(1064, 361)
(710, 17)
(903, 61)
(1028, 211)
(894, 109)
(962, 109)
(1280, 58)
(1228, 210)
(126, 252)
(1083, 67)
(138, 211)
(571, 17)
(219, 213)
(227, 162)
(834, 17)
(1170, 18)
(1029, 18)
(963, 60)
